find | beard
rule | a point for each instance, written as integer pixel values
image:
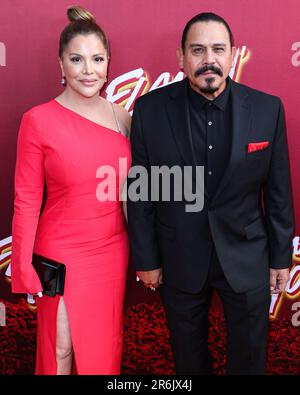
(209, 81)
(209, 88)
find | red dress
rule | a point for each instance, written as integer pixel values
(64, 149)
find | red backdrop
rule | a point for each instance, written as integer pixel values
(144, 36)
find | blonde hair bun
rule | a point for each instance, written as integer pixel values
(78, 13)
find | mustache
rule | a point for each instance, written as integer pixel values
(212, 68)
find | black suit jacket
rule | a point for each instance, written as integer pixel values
(250, 217)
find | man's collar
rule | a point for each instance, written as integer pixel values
(198, 101)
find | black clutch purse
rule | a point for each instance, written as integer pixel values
(51, 274)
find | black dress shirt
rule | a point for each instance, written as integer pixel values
(211, 134)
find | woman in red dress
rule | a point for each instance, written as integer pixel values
(62, 144)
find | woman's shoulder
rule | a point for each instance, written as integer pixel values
(41, 118)
(41, 111)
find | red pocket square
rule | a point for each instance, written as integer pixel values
(252, 147)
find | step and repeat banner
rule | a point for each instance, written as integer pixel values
(144, 36)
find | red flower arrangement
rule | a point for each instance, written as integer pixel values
(146, 342)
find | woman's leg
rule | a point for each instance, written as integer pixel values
(64, 349)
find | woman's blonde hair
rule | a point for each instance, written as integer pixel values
(81, 22)
(77, 13)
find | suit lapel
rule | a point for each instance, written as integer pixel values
(241, 122)
(178, 114)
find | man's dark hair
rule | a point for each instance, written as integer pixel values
(205, 17)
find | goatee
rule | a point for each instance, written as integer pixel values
(209, 88)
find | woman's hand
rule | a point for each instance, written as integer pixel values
(151, 279)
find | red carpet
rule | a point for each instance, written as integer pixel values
(146, 345)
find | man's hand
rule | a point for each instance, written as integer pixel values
(151, 278)
(278, 280)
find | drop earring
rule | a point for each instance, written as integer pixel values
(63, 81)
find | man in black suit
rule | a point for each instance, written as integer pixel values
(240, 243)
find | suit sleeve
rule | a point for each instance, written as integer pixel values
(29, 187)
(141, 214)
(278, 203)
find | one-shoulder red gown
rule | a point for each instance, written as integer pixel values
(64, 150)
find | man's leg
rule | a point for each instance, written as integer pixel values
(247, 316)
(187, 317)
